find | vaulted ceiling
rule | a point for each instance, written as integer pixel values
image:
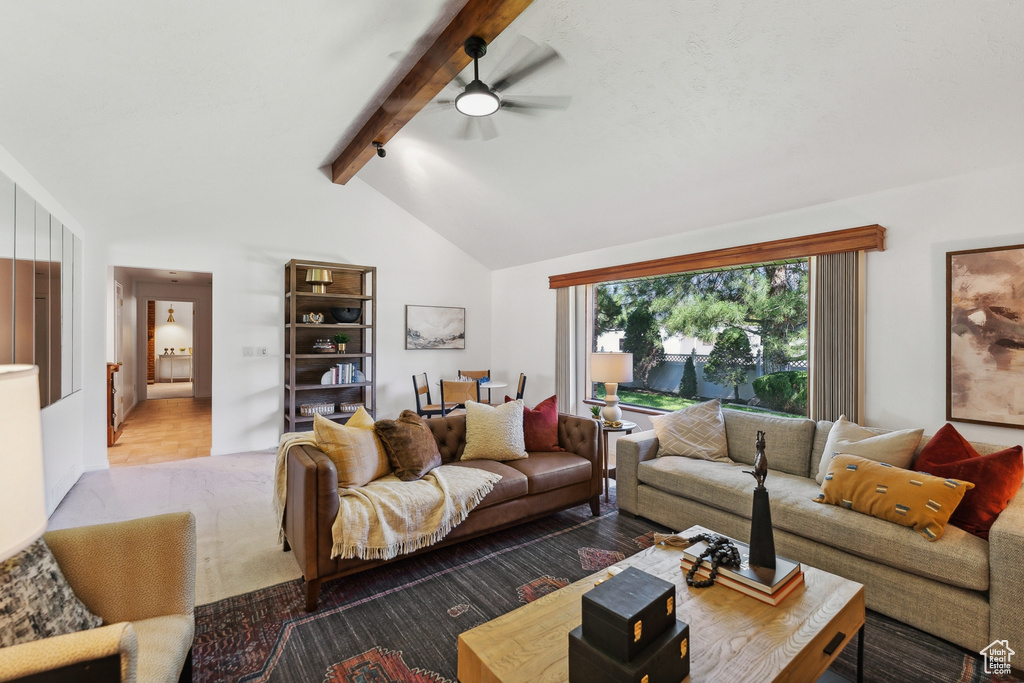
(683, 115)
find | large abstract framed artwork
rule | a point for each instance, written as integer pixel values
(985, 336)
(435, 327)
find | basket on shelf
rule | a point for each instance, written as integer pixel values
(349, 407)
(310, 409)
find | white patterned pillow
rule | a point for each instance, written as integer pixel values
(695, 432)
(36, 601)
(494, 433)
(893, 448)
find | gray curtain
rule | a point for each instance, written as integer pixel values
(837, 326)
(563, 350)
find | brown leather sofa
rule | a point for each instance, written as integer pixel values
(531, 488)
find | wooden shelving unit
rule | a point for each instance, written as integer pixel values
(353, 286)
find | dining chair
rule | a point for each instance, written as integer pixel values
(424, 408)
(522, 386)
(455, 393)
(478, 375)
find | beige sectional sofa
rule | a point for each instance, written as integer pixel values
(961, 588)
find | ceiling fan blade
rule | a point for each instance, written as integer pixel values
(487, 128)
(467, 130)
(541, 58)
(535, 104)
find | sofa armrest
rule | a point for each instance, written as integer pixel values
(579, 436)
(132, 570)
(630, 451)
(1006, 574)
(311, 506)
(70, 651)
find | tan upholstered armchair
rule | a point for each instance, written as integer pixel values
(139, 576)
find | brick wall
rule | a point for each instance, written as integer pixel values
(150, 336)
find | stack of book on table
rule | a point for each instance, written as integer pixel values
(767, 585)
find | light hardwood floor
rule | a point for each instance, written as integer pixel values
(163, 430)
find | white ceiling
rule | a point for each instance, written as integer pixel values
(684, 114)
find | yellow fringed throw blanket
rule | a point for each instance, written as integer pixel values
(390, 517)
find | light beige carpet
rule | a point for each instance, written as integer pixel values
(231, 497)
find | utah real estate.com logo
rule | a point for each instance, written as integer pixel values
(997, 657)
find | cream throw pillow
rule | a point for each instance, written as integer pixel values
(354, 447)
(694, 432)
(494, 433)
(894, 448)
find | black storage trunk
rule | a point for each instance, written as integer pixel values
(623, 615)
(666, 660)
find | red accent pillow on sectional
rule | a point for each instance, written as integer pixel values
(540, 426)
(996, 477)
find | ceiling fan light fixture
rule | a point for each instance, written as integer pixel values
(477, 100)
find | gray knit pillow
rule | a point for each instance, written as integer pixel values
(36, 601)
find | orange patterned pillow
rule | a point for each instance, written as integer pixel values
(878, 489)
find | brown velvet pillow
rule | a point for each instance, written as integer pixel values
(410, 445)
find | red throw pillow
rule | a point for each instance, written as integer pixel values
(540, 426)
(996, 477)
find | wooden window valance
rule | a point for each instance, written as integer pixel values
(865, 238)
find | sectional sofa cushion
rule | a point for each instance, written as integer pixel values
(409, 444)
(513, 484)
(494, 432)
(997, 477)
(787, 440)
(960, 559)
(912, 499)
(894, 448)
(354, 447)
(695, 432)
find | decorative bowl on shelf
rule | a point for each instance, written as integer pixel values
(345, 314)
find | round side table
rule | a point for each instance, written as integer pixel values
(626, 427)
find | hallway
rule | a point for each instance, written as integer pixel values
(163, 430)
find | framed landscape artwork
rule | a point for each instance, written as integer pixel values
(985, 336)
(435, 327)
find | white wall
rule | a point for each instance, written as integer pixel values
(176, 336)
(905, 325)
(246, 248)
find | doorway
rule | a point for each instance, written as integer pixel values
(172, 351)
(166, 342)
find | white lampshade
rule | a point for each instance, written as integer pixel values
(22, 491)
(611, 367)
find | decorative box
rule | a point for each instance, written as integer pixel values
(665, 660)
(624, 614)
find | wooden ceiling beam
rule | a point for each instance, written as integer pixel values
(442, 62)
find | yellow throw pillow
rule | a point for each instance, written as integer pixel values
(354, 447)
(913, 499)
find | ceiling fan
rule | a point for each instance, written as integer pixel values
(477, 101)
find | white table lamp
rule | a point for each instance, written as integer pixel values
(611, 368)
(22, 491)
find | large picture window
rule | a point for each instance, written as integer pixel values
(738, 334)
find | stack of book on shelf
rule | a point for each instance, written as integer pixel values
(767, 585)
(344, 373)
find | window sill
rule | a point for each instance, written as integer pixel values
(626, 408)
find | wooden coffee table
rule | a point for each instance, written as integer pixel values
(732, 637)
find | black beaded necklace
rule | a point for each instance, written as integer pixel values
(720, 551)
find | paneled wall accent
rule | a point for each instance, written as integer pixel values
(40, 260)
(837, 339)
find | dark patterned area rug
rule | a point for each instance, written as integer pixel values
(401, 622)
